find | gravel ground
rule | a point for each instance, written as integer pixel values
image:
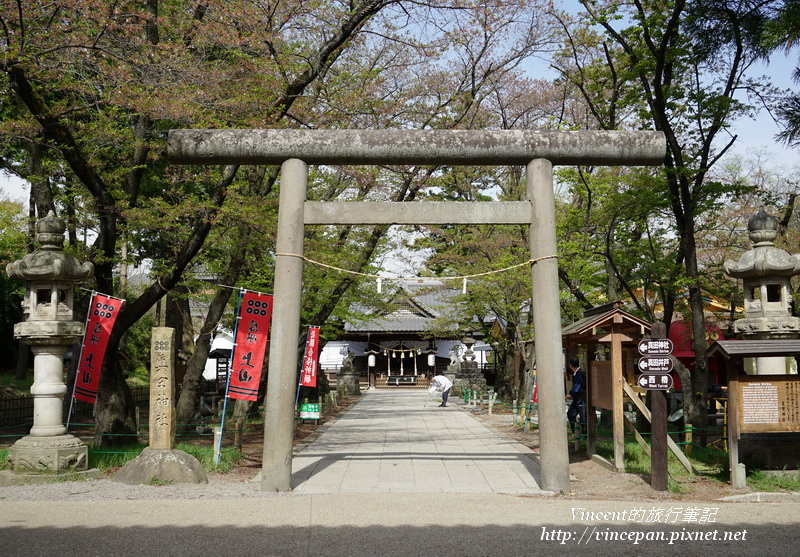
(218, 487)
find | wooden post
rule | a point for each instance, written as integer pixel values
(617, 401)
(138, 414)
(591, 414)
(659, 474)
(738, 477)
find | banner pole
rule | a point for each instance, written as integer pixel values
(71, 402)
(218, 439)
(297, 396)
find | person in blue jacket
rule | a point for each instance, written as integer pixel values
(577, 394)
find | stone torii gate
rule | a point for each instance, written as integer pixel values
(294, 150)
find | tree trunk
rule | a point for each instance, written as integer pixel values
(612, 281)
(179, 317)
(505, 366)
(696, 405)
(242, 408)
(697, 410)
(40, 183)
(193, 379)
(114, 411)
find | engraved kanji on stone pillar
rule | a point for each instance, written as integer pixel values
(162, 389)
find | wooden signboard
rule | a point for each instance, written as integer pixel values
(600, 383)
(769, 403)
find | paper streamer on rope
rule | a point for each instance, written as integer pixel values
(103, 311)
(250, 345)
(308, 375)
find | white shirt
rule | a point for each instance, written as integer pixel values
(440, 381)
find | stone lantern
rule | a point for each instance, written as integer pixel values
(468, 375)
(50, 276)
(765, 272)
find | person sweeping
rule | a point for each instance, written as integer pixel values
(443, 383)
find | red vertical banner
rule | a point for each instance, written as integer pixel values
(308, 375)
(250, 345)
(103, 311)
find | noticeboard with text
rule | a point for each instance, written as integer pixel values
(769, 404)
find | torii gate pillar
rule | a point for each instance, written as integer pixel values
(276, 466)
(295, 149)
(547, 328)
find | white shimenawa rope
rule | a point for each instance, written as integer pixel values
(379, 279)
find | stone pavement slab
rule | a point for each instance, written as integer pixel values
(401, 441)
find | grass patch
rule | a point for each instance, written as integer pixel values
(104, 458)
(107, 458)
(637, 461)
(711, 464)
(205, 454)
(138, 378)
(778, 480)
(16, 387)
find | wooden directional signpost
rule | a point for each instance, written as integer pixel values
(655, 382)
(655, 365)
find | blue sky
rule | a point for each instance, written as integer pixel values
(760, 133)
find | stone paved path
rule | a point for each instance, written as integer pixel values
(401, 441)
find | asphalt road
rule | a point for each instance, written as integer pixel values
(403, 524)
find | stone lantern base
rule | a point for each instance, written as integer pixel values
(347, 382)
(40, 459)
(468, 377)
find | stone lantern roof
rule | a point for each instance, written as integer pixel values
(765, 272)
(49, 262)
(764, 259)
